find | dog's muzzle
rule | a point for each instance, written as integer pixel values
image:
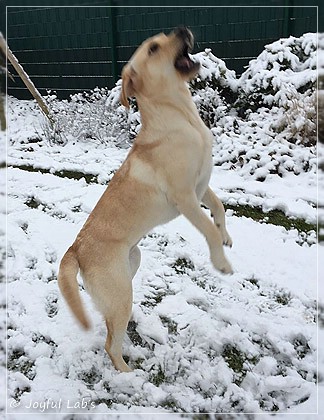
(186, 36)
(183, 63)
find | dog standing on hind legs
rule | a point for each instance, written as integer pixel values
(166, 173)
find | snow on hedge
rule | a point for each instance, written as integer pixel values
(270, 106)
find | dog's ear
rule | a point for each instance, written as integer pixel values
(128, 84)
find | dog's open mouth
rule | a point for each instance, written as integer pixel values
(184, 63)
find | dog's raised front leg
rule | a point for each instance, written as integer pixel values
(189, 206)
(216, 207)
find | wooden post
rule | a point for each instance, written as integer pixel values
(113, 37)
(24, 77)
(3, 123)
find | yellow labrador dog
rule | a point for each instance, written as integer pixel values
(165, 174)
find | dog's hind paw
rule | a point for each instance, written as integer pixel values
(223, 266)
(227, 269)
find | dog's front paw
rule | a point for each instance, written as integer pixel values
(227, 240)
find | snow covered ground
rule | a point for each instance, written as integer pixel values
(199, 341)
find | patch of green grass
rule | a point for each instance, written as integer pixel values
(154, 299)
(274, 217)
(90, 377)
(24, 227)
(34, 140)
(170, 324)
(133, 335)
(182, 265)
(32, 202)
(137, 364)
(20, 391)
(171, 404)
(89, 178)
(31, 264)
(77, 209)
(234, 358)
(39, 338)
(253, 281)
(283, 297)
(302, 400)
(107, 401)
(52, 277)
(161, 240)
(301, 346)
(157, 378)
(238, 361)
(200, 282)
(51, 307)
(267, 406)
(3, 256)
(18, 362)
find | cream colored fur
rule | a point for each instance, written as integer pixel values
(166, 173)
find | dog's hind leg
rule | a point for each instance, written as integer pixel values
(117, 306)
(216, 207)
(117, 315)
(117, 321)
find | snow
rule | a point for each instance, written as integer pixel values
(199, 341)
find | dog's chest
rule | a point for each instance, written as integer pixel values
(205, 140)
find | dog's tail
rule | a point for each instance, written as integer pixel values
(68, 284)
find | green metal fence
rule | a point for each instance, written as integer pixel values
(69, 49)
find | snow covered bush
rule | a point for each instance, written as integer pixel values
(96, 115)
(270, 107)
(274, 117)
(284, 77)
(214, 73)
(214, 89)
(285, 64)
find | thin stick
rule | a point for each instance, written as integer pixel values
(3, 123)
(24, 76)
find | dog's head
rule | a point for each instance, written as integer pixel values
(160, 64)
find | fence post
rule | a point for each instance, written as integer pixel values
(24, 76)
(113, 38)
(288, 22)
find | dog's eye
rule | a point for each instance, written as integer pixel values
(153, 48)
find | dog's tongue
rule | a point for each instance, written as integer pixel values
(184, 62)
